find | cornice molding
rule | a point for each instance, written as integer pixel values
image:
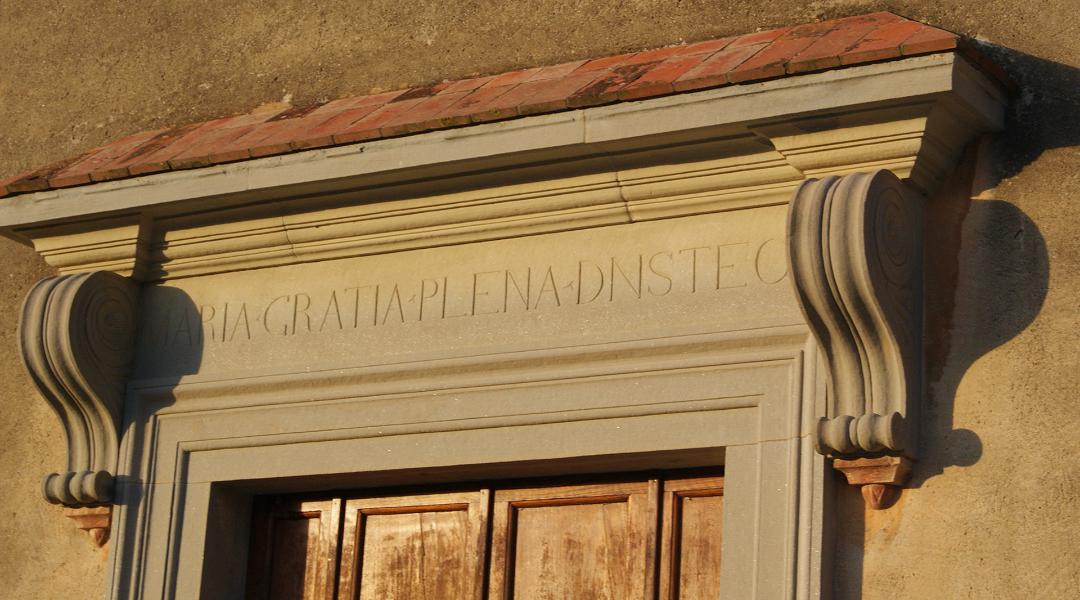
(76, 337)
(754, 144)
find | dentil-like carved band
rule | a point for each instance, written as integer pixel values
(855, 247)
(76, 337)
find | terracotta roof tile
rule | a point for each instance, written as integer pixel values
(825, 52)
(714, 70)
(660, 79)
(576, 84)
(881, 43)
(928, 39)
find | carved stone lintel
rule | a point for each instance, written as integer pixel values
(879, 479)
(94, 520)
(76, 335)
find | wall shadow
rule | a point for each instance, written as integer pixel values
(181, 326)
(987, 264)
(987, 274)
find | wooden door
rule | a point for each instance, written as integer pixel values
(625, 539)
(692, 535)
(416, 547)
(585, 541)
(294, 546)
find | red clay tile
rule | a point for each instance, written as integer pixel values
(106, 159)
(31, 182)
(69, 177)
(262, 136)
(467, 85)
(422, 116)
(928, 39)
(69, 180)
(158, 161)
(221, 156)
(534, 97)
(343, 104)
(714, 70)
(881, 44)
(600, 64)
(374, 121)
(760, 37)
(282, 136)
(772, 60)
(513, 77)
(660, 79)
(477, 104)
(624, 77)
(195, 148)
(38, 179)
(658, 55)
(556, 71)
(357, 135)
(271, 137)
(136, 161)
(323, 134)
(706, 47)
(295, 112)
(825, 52)
(420, 92)
(4, 184)
(212, 148)
(606, 89)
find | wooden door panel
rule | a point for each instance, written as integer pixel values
(592, 542)
(426, 547)
(693, 526)
(294, 550)
(624, 540)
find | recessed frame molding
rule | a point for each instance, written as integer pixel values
(855, 153)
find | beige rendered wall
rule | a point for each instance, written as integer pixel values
(994, 513)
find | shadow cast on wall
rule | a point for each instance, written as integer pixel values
(988, 267)
(131, 489)
(987, 277)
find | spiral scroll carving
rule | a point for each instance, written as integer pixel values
(76, 336)
(855, 248)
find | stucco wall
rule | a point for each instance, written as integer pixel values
(994, 514)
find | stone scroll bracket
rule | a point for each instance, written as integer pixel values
(76, 337)
(855, 251)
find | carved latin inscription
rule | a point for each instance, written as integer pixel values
(722, 272)
(76, 336)
(855, 249)
(485, 291)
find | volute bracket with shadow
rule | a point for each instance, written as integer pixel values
(76, 337)
(856, 256)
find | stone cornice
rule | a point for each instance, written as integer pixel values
(666, 157)
(737, 60)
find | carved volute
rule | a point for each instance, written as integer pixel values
(76, 336)
(855, 248)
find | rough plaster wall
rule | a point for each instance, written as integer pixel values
(995, 513)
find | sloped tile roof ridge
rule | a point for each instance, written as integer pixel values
(627, 77)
